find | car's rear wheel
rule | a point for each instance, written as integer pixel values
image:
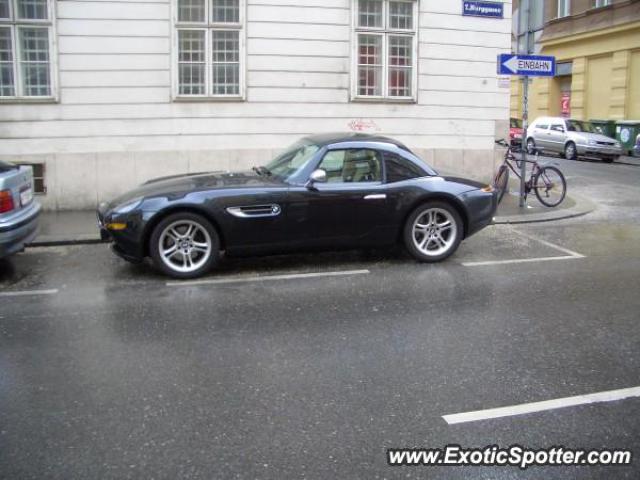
(433, 231)
(570, 152)
(502, 182)
(609, 159)
(184, 245)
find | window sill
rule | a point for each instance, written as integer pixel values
(402, 101)
(179, 99)
(23, 100)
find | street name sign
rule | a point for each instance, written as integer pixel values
(483, 9)
(526, 65)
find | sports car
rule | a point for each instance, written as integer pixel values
(326, 191)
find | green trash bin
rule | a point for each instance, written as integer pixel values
(605, 127)
(626, 133)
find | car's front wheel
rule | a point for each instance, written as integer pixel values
(570, 152)
(184, 245)
(433, 231)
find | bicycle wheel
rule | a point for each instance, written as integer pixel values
(550, 186)
(502, 182)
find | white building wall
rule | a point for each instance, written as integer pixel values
(115, 124)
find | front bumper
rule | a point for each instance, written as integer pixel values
(18, 232)
(128, 244)
(598, 151)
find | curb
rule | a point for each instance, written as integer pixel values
(583, 207)
(62, 243)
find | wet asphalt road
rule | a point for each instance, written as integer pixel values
(112, 373)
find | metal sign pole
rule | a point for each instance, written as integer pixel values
(525, 101)
(525, 126)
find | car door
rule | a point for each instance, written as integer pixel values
(541, 134)
(345, 209)
(556, 136)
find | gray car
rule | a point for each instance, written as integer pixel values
(571, 138)
(18, 210)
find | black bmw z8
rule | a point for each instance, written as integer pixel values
(326, 191)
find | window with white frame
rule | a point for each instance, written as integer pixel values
(385, 55)
(564, 8)
(209, 48)
(25, 49)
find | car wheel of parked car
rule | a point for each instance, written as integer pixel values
(502, 182)
(609, 159)
(433, 231)
(570, 151)
(531, 146)
(184, 245)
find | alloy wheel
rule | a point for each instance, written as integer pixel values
(570, 151)
(184, 246)
(434, 232)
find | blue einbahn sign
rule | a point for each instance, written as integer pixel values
(483, 9)
(529, 65)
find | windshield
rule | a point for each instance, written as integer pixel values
(579, 126)
(292, 159)
(5, 167)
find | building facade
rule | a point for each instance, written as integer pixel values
(597, 46)
(102, 95)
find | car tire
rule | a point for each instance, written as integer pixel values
(609, 159)
(570, 152)
(433, 224)
(184, 245)
(502, 182)
(531, 146)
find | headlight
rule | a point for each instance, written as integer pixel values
(128, 206)
(618, 145)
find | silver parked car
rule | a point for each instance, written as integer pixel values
(571, 138)
(18, 210)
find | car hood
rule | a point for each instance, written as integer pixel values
(178, 185)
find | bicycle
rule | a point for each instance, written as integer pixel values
(546, 181)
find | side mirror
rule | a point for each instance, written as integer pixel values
(317, 176)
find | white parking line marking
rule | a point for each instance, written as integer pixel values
(267, 278)
(609, 396)
(517, 260)
(549, 244)
(571, 255)
(26, 293)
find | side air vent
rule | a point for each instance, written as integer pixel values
(255, 211)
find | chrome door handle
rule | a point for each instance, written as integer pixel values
(376, 196)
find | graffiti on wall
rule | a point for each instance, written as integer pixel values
(363, 125)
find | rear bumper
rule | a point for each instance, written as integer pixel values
(481, 208)
(18, 232)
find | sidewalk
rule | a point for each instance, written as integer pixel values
(509, 211)
(80, 227)
(629, 161)
(67, 228)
